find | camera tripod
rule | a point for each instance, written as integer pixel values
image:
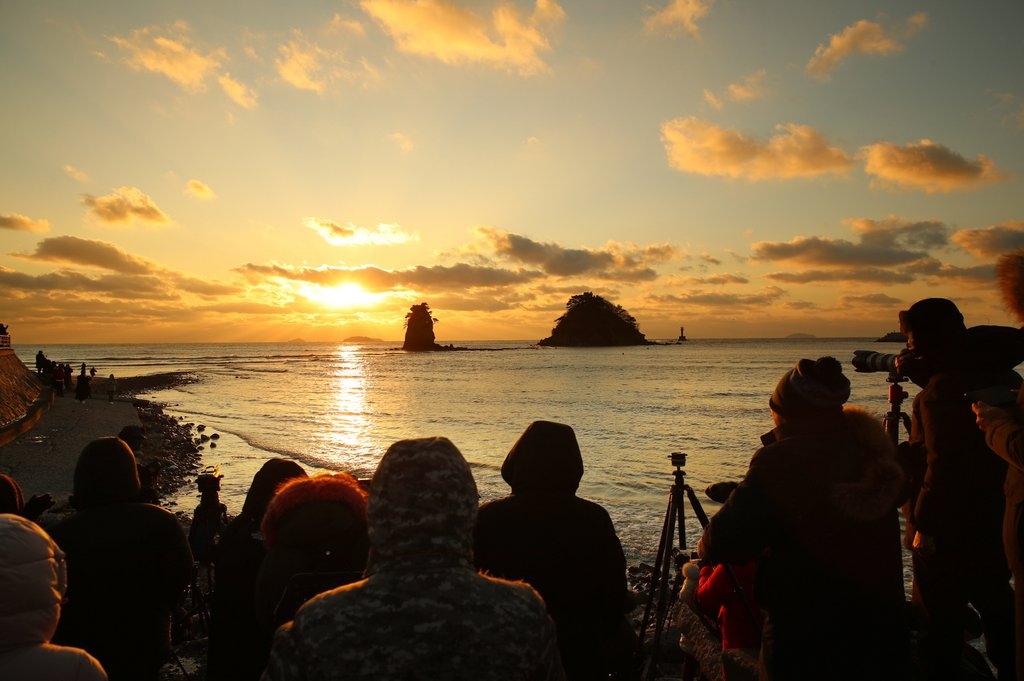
(892, 419)
(675, 519)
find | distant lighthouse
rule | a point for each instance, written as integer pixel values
(682, 334)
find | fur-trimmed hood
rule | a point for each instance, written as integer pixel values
(1010, 271)
(882, 482)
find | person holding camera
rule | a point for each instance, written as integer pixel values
(955, 515)
(818, 509)
(1003, 425)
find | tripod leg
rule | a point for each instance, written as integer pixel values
(664, 548)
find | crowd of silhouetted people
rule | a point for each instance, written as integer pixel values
(61, 377)
(408, 576)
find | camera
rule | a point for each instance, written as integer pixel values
(209, 479)
(678, 459)
(869, 361)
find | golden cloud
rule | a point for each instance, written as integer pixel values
(239, 93)
(199, 190)
(679, 14)
(170, 52)
(73, 250)
(750, 88)
(927, 166)
(349, 235)
(124, 205)
(75, 174)
(992, 241)
(23, 223)
(442, 30)
(863, 37)
(696, 146)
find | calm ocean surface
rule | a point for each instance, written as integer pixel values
(338, 406)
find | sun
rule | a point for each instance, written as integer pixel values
(344, 295)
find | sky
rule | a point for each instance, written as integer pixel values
(266, 171)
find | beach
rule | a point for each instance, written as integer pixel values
(42, 460)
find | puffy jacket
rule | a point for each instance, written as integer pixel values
(32, 582)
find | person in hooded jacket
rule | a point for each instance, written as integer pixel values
(238, 645)
(563, 546)
(33, 578)
(423, 611)
(315, 533)
(1004, 434)
(818, 508)
(128, 564)
(954, 518)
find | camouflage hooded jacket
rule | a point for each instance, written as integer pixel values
(422, 612)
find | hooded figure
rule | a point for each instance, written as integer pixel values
(239, 646)
(563, 546)
(315, 534)
(32, 582)
(1004, 435)
(423, 611)
(128, 563)
(955, 514)
(818, 508)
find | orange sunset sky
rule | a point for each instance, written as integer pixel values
(264, 171)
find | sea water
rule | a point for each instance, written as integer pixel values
(338, 406)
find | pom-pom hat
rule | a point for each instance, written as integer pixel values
(812, 386)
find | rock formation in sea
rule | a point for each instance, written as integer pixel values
(592, 321)
(419, 329)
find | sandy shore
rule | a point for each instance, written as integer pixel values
(43, 459)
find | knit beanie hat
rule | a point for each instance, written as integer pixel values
(105, 474)
(935, 323)
(545, 458)
(811, 386)
(341, 490)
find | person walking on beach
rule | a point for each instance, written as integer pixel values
(563, 546)
(128, 563)
(818, 506)
(33, 578)
(955, 515)
(58, 379)
(238, 645)
(82, 389)
(111, 388)
(423, 611)
(1003, 426)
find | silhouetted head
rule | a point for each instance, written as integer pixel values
(134, 436)
(545, 458)
(333, 504)
(932, 326)
(106, 473)
(423, 501)
(11, 498)
(812, 387)
(266, 482)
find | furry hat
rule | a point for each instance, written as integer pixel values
(1010, 271)
(340, 488)
(811, 386)
(106, 473)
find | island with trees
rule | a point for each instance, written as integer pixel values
(592, 321)
(419, 330)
